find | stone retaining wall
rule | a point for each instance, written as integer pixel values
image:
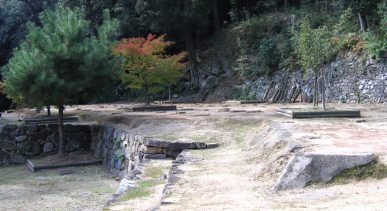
(349, 79)
(121, 151)
(18, 142)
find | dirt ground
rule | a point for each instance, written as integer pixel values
(87, 188)
(237, 175)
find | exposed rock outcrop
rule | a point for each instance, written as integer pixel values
(304, 168)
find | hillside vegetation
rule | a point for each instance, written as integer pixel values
(228, 42)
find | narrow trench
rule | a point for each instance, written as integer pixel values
(145, 182)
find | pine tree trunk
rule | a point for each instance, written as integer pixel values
(147, 95)
(48, 110)
(61, 151)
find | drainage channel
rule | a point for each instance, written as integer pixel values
(154, 174)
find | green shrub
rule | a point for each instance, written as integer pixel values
(376, 44)
(242, 93)
(376, 41)
(256, 28)
(382, 11)
(268, 56)
(267, 40)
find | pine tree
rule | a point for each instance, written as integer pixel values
(145, 64)
(61, 62)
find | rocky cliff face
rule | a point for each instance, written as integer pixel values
(349, 79)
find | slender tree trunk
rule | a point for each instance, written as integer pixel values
(190, 46)
(286, 4)
(147, 92)
(61, 151)
(169, 93)
(362, 22)
(112, 7)
(216, 15)
(323, 91)
(315, 97)
(35, 12)
(89, 16)
(48, 110)
(317, 93)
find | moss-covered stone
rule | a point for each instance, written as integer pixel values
(372, 170)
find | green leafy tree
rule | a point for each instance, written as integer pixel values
(60, 63)
(145, 64)
(313, 48)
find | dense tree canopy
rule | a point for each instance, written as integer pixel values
(264, 26)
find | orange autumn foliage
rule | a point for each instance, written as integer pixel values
(145, 63)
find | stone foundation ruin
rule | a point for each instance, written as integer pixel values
(121, 151)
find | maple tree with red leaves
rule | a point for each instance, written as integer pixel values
(145, 63)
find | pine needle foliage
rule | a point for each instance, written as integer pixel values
(145, 63)
(60, 62)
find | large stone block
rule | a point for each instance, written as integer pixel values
(8, 145)
(54, 138)
(154, 150)
(176, 145)
(16, 159)
(155, 156)
(72, 145)
(48, 147)
(318, 167)
(21, 130)
(30, 148)
(6, 129)
(21, 138)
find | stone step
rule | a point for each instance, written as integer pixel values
(49, 120)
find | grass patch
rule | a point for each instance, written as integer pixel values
(154, 172)
(236, 126)
(372, 170)
(9, 122)
(239, 129)
(206, 138)
(102, 190)
(168, 137)
(142, 190)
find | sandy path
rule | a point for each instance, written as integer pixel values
(222, 179)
